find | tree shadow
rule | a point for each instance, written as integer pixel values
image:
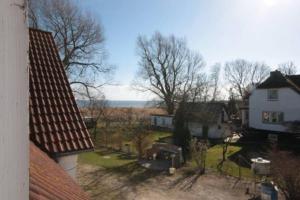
(134, 172)
(187, 180)
(124, 178)
(248, 151)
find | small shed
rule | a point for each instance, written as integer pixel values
(208, 120)
(163, 151)
(162, 121)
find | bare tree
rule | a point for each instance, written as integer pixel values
(285, 171)
(79, 39)
(287, 68)
(141, 137)
(96, 109)
(198, 154)
(214, 77)
(241, 73)
(167, 68)
(199, 92)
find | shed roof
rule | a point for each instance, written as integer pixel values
(48, 181)
(205, 112)
(56, 125)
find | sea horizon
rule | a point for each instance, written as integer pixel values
(122, 103)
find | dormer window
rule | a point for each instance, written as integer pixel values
(272, 95)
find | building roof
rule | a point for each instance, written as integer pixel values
(48, 181)
(205, 112)
(56, 125)
(278, 80)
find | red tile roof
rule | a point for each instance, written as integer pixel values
(56, 125)
(48, 181)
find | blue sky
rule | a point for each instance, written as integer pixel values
(220, 30)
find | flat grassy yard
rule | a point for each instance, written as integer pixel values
(230, 167)
(111, 158)
(105, 158)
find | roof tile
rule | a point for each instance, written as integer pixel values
(48, 181)
(55, 122)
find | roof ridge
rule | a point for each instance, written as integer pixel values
(39, 30)
(293, 84)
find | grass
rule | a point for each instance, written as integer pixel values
(214, 156)
(106, 159)
(115, 159)
(158, 135)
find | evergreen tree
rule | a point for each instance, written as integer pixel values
(181, 134)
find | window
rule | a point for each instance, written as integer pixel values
(272, 95)
(272, 117)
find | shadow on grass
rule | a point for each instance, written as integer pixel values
(166, 139)
(134, 172)
(248, 151)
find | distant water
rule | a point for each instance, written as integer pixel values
(121, 104)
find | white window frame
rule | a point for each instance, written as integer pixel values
(273, 92)
(272, 117)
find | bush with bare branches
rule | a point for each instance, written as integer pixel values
(285, 170)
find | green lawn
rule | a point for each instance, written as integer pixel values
(156, 135)
(105, 158)
(214, 155)
(110, 158)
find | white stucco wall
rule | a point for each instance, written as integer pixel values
(162, 121)
(288, 102)
(214, 132)
(14, 128)
(69, 164)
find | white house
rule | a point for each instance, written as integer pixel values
(162, 121)
(208, 120)
(275, 102)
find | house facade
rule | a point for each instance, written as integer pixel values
(275, 102)
(207, 120)
(162, 121)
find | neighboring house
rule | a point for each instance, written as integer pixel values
(207, 120)
(56, 126)
(274, 102)
(162, 121)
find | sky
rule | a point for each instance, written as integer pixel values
(220, 30)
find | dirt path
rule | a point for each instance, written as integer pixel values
(137, 184)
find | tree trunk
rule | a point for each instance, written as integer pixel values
(170, 108)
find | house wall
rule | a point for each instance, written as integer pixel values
(245, 117)
(214, 132)
(14, 128)
(288, 103)
(69, 164)
(162, 121)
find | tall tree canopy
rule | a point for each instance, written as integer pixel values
(168, 68)
(79, 38)
(242, 73)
